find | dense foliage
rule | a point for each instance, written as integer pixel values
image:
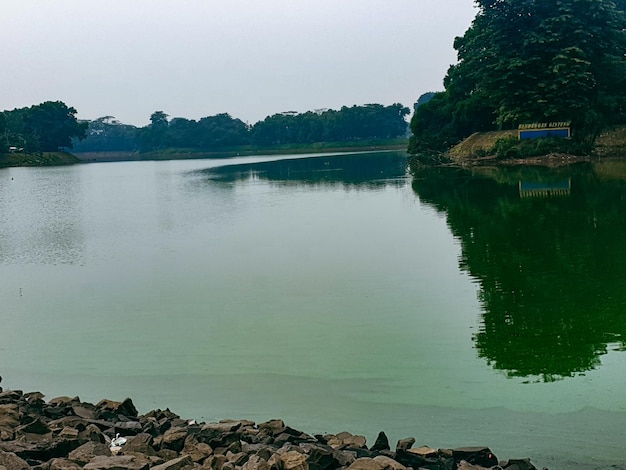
(46, 127)
(531, 61)
(371, 121)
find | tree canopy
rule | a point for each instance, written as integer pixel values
(531, 61)
(219, 132)
(45, 127)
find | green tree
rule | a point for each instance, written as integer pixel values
(530, 61)
(53, 125)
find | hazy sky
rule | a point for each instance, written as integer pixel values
(249, 58)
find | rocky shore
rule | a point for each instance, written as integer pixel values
(66, 434)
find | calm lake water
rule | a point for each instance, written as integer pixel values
(334, 291)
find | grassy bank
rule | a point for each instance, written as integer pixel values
(37, 159)
(487, 146)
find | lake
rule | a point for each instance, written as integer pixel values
(337, 292)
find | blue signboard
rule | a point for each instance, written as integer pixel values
(544, 129)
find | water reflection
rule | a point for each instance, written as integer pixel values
(355, 170)
(550, 268)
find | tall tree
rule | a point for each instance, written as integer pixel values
(53, 125)
(530, 60)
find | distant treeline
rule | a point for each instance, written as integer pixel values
(45, 127)
(370, 121)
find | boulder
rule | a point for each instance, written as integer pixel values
(366, 463)
(36, 426)
(481, 456)
(175, 464)
(405, 444)
(174, 438)
(255, 463)
(273, 427)
(321, 457)
(382, 443)
(85, 453)
(9, 416)
(10, 461)
(388, 463)
(294, 460)
(518, 464)
(63, 464)
(118, 462)
(347, 440)
(141, 443)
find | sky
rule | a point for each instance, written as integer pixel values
(247, 58)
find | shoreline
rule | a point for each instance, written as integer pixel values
(66, 433)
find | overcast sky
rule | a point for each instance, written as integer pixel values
(248, 58)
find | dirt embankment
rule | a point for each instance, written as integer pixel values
(476, 149)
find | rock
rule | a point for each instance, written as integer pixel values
(109, 409)
(481, 456)
(87, 412)
(63, 464)
(85, 453)
(365, 463)
(320, 456)
(128, 428)
(215, 462)
(174, 438)
(344, 458)
(346, 439)
(118, 462)
(9, 416)
(10, 461)
(175, 464)
(37, 426)
(424, 451)
(274, 426)
(405, 444)
(256, 463)
(141, 443)
(463, 465)
(382, 443)
(293, 460)
(518, 464)
(198, 451)
(388, 463)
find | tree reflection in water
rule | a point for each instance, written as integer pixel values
(550, 269)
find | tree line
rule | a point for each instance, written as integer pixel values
(46, 127)
(52, 125)
(524, 61)
(221, 131)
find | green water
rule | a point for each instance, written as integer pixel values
(335, 292)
